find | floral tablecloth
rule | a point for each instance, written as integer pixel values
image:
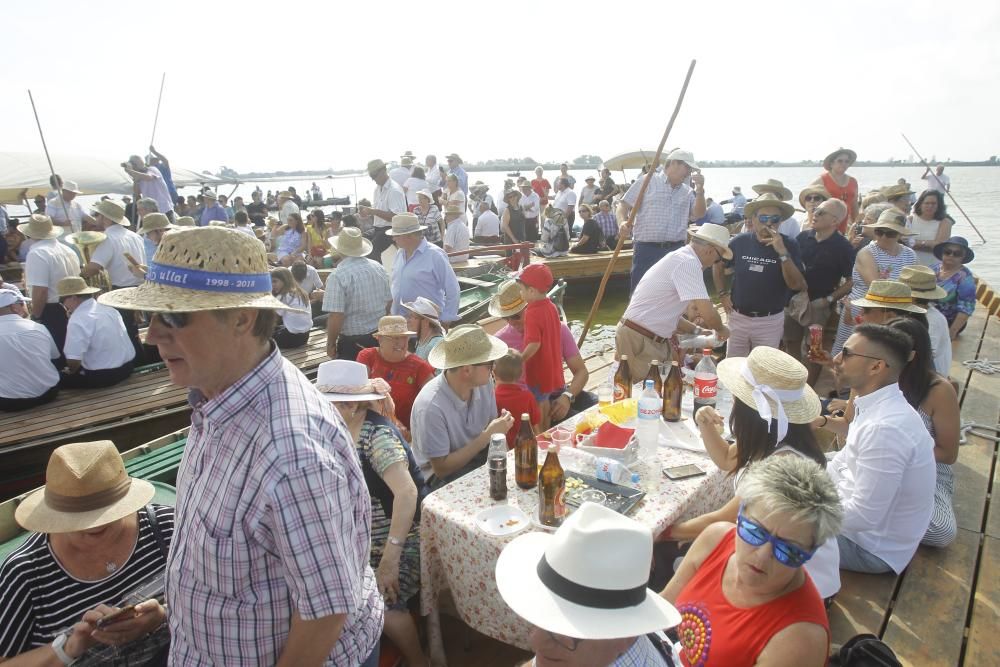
(455, 554)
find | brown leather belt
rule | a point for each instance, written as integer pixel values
(643, 331)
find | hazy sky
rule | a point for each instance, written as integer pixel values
(298, 85)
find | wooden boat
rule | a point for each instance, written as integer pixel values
(588, 267)
(318, 203)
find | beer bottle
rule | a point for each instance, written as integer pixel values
(654, 375)
(526, 455)
(673, 389)
(551, 490)
(623, 380)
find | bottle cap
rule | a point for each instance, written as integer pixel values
(624, 357)
(524, 416)
(654, 362)
(635, 478)
(648, 384)
(707, 352)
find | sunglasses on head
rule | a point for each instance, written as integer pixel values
(769, 219)
(756, 535)
(888, 233)
(172, 320)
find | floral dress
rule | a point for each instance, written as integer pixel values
(379, 447)
(961, 289)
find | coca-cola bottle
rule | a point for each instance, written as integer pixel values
(706, 382)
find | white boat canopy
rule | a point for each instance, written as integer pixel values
(24, 175)
(633, 160)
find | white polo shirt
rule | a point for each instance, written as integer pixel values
(665, 290)
(456, 237)
(530, 204)
(54, 208)
(96, 337)
(295, 321)
(565, 200)
(937, 327)
(27, 350)
(47, 263)
(110, 254)
(388, 197)
(287, 209)
(488, 224)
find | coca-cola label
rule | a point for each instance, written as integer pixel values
(705, 388)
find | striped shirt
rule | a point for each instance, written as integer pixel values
(273, 518)
(665, 211)
(39, 599)
(358, 288)
(607, 223)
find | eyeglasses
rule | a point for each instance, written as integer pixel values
(815, 198)
(719, 255)
(568, 643)
(769, 219)
(888, 233)
(953, 252)
(847, 353)
(172, 320)
(784, 552)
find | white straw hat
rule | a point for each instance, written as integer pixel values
(773, 383)
(769, 200)
(892, 219)
(86, 237)
(112, 210)
(350, 243)
(425, 308)
(775, 187)
(341, 380)
(40, 227)
(717, 235)
(405, 223)
(586, 581)
(466, 345)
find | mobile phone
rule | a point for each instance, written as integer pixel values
(122, 614)
(683, 472)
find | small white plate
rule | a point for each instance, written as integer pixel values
(502, 520)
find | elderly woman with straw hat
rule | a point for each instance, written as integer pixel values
(742, 592)
(882, 259)
(771, 416)
(396, 487)
(96, 539)
(810, 197)
(425, 319)
(839, 184)
(392, 361)
(295, 503)
(953, 276)
(429, 214)
(456, 413)
(47, 263)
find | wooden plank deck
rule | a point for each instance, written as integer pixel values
(588, 267)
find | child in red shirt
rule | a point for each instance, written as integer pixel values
(512, 396)
(542, 346)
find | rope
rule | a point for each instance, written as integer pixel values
(984, 366)
(977, 430)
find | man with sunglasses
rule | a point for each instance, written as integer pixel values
(885, 474)
(766, 267)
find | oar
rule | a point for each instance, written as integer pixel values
(156, 118)
(635, 208)
(48, 158)
(950, 196)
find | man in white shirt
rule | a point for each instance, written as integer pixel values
(65, 211)
(488, 227)
(151, 184)
(113, 254)
(938, 180)
(48, 262)
(456, 233)
(389, 200)
(565, 201)
(98, 350)
(29, 355)
(531, 206)
(656, 309)
(286, 206)
(402, 171)
(885, 474)
(432, 173)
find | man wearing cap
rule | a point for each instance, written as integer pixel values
(213, 211)
(594, 611)
(738, 200)
(766, 266)
(455, 413)
(589, 191)
(669, 205)
(656, 310)
(357, 295)
(116, 254)
(98, 350)
(938, 180)
(48, 262)
(389, 200)
(269, 561)
(455, 168)
(150, 182)
(531, 207)
(421, 269)
(65, 211)
(827, 260)
(29, 354)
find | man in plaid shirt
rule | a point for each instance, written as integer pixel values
(269, 559)
(606, 220)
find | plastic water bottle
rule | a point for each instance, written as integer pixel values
(610, 470)
(648, 433)
(706, 382)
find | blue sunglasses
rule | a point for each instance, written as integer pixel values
(784, 552)
(769, 219)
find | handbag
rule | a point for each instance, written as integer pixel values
(865, 651)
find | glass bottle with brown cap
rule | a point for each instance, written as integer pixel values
(673, 390)
(623, 380)
(526, 455)
(551, 490)
(654, 375)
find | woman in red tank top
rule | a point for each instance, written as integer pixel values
(742, 592)
(839, 184)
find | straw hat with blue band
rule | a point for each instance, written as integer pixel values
(204, 268)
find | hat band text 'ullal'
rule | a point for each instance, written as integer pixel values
(89, 502)
(208, 281)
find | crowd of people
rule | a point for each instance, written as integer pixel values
(295, 536)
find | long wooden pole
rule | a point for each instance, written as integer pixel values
(156, 118)
(947, 192)
(635, 208)
(48, 159)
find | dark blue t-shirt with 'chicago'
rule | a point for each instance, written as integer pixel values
(758, 285)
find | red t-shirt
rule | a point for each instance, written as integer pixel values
(543, 371)
(541, 186)
(714, 632)
(517, 400)
(847, 194)
(405, 378)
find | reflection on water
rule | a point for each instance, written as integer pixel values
(577, 303)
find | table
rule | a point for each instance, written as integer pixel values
(455, 554)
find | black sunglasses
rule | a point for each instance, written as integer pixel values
(888, 233)
(172, 320)
(953, 252)
(847, 353)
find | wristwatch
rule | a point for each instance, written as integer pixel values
(395, 540)
(569, 395)
(784, 258)
(57, 646)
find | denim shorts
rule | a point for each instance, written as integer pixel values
(542, 396)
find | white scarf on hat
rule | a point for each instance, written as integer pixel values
(761, 392)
